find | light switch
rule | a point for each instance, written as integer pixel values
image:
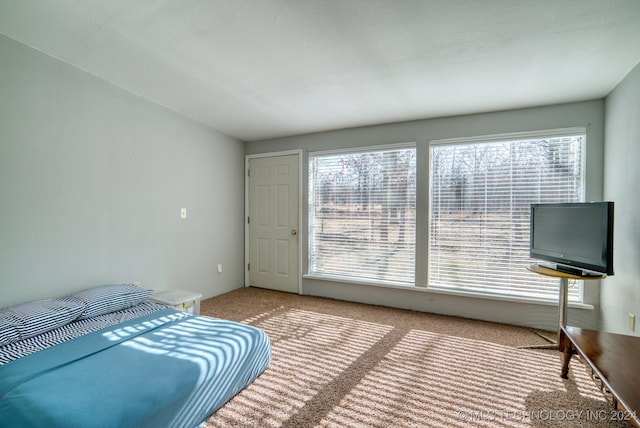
(183, 213)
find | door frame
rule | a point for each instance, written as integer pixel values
(301, 232)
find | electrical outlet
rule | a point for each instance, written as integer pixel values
(183, 213)
(632, 322)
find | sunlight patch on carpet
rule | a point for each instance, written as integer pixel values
(430, 379)
(309, 351)
(333, 371)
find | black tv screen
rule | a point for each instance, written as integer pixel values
(576, 237)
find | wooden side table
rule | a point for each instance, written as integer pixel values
(614, 365)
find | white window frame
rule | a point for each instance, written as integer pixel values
(576, 297)
(311, 215)
(423, 210)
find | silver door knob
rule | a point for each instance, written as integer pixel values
(294, 232)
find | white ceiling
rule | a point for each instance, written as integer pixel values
(258, 69)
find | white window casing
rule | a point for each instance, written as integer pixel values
(362, 212)
(481, 190)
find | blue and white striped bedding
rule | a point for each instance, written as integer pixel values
(33, 318)
(108, 298)
(69, 331)
(164, 369)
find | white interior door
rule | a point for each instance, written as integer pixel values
(273, 222)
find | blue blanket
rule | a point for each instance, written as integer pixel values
(161, 370)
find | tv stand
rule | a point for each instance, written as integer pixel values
(571, 270)
(562, 300)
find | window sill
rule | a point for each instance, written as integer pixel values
(450, 292)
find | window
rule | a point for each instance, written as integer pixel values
(362, 214)
(479, 208)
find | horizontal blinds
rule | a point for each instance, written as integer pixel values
(480, 197)
(362, 215)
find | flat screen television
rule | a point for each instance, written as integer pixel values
(575, 238)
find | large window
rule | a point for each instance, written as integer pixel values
(362, 214)
(474, 198)
(479, 206)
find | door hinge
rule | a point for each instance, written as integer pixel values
(248, 266)
(248, 219)
(248, 173)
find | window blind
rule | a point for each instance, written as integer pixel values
(479, 208)
(362, 215)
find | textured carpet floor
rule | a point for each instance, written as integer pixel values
(341, 364)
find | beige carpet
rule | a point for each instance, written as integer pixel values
(340, 364)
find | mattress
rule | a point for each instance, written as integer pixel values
(163, 369)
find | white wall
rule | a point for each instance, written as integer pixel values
(586, 114)
(621, 292)
(91, 182)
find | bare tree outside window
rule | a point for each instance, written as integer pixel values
(362, 215)
(480, 198)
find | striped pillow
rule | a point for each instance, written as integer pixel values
(8, 330)
(108, 298)
(33, 318)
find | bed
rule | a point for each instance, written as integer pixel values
(104, 357)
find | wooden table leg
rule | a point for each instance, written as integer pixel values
(565, 346)
(567, 353)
